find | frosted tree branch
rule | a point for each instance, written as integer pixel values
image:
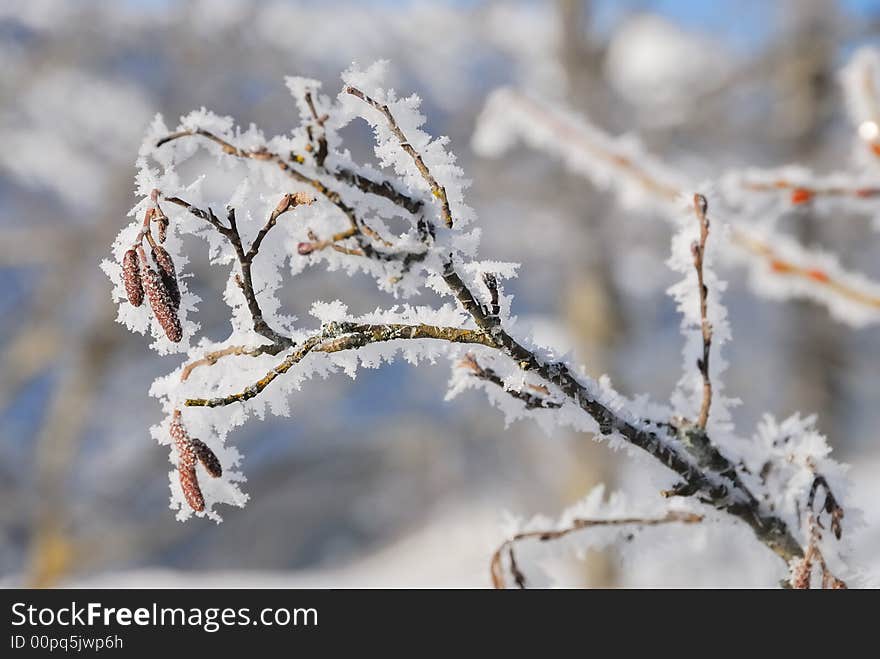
(337, 337)
(220, 384)
(533, 396)
(358, 230)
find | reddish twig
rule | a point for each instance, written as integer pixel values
(698, 250)
(496, 568)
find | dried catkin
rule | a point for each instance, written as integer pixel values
(131, 277)
(189, 483)
(160, 302)
(168, 274)
(207, 457)
(186, 465)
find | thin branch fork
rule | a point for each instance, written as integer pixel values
(246, 257)
(831, 506)
(364, 183)
(835, 512)
(436, 189)
(319, 121)
(362, 232)
(496, 567)
(802, 571)
(381, 189)
(288, 203)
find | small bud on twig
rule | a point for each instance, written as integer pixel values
(702, 205)
(801, 196)
(156, 214)
(163, 228)
(283, 205)
(131, 276)
(304, 249)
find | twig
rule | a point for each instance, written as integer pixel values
(802, 570)
(436, 189)
(497, 571)
(246, 258)
(337, 337)
(787, 268)
(698, 250)
(287, 203)
(802, 194)
(834, 510)
(262, 154)
(531, 401)
(322, 151)
(380, 189)
(211, 358)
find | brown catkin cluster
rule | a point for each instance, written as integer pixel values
(168, 274)
(189, 451)
(161, 302)
(131, 277)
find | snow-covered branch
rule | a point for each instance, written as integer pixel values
(406, 224)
